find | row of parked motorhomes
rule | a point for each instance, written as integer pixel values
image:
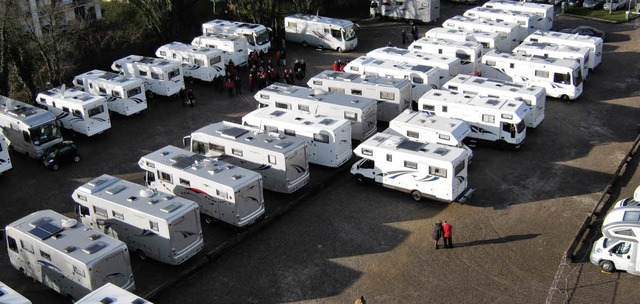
(431, 95)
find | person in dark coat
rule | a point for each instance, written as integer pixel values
(183, 96)
(303, 67)
(237, 82)
(437, 233)
(447, 230)
(404, 37)
(192, 98)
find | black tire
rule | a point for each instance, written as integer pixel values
(76, 159)
(339, 50)
(565, 98)
(416, 195)
(607, 266)
(150, 95)
(305, 44)
(208, 220)
(55, 167)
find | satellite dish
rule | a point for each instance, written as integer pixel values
(69, 223)
(147, 193)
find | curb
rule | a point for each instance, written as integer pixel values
(214, 254)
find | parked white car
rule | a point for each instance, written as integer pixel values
(614, 4)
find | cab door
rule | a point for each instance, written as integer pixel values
(621, 255)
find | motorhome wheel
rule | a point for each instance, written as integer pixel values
(417, 196)
(305, 44)
(208, 219)
(141, 254)
(565, 98)
(150, 95)
(76, 158)
(55, 167)
(339, 50)
(607, 266)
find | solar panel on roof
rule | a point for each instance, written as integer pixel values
(410, 145)
(233, 132)
(441, 151)
(44, 230)
(492, 102)
(182, 161)
(327, 121)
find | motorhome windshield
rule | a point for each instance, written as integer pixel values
(44, 133)
(350, 33)
(262, 37)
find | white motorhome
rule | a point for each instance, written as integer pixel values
(488, 40)
(360, 111)
(561, 78)
(511, 33)
(328, 139)
(428, 170)
(29, 130)
(529, 22)
(234, 47)
(10, 296)
(223, 191)
(449, 67)
(410, 10)
(494, 120)
(66, 256)
(546, 11)
(76, 110)
(155, 225)
(556, 51)
(281, 160)
(393, 95)
(110, 293)
(323, 32)
(594, 44)
(197, 62)
(257, 34)
(124, 94)
(469, 52)
(424, 127)
(5, 160)
(618, 248)
(535, 97)
(422, 77)
(161, 76)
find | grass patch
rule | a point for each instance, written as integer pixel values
(615, 16)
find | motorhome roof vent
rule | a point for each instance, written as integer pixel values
(355, 100)
(153, 201)
(95, 247)
(68, 223)
(94, 237)
(147, 192)
(132, 199)
(236, 177)
(171, 208)
(106, 300)
(97, 182)
(69, 249)
(138, 301)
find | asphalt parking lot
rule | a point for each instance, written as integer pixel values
(336, 240)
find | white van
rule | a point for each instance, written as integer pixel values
(124, 94)
(512, 33)
(488, 40)
(448, 66)
(110, 293)
(161, 76)
(410, 10)
(469, 52)
(5, 159)
(323, 32)
(594, 44)
(197, 62)
(234, 47)
(258, 35)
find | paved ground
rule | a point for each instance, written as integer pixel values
(342, 239)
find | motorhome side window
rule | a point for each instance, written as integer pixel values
(387, 95)
(118, 215)
(83, 210)
(437, 171)
(488, 118)
(271, 129)
(351, 116)
(322, 138)
(77, 113)
(215, 147)
(410, 164)
(354, 68)
(490, 62)
(367, 152)
(631, 216)
(336, 90)
(356, 92)
(100, 211)
(445, 109)
(156, 76)
(153, 225)
(95, 111)
(79, 82)
(198, 61)
(272, 159)
(102, 90)
(622, 248)
(413, 134)
(561, 78)
(174, 73)
(26, 246)
(165, 177)
(289, 132)
(464, 57)
(163, 53)
(65, 109)
(79, 271)
(292, 24)
(283, 105)
(317, 82)
(417, 80)
(13, 245)
(236, 152)
(460, 167)
(302, 107)
(220, 193)
(427, 107)
(444, 136)
(143, 73)
(389, 157)
(134, 92)
(215, 60)
(185, 182)
(116, 94)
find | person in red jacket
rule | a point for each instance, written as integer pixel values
(447, 229)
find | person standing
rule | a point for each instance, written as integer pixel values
(447, 230)
(404, 37)
(237, 83)
(229, 86)
(303, 67)
(437, 233)
(192, 98)
(182, 96)
(414, 32)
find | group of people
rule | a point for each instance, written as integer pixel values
(443, 230)
(338, 65)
